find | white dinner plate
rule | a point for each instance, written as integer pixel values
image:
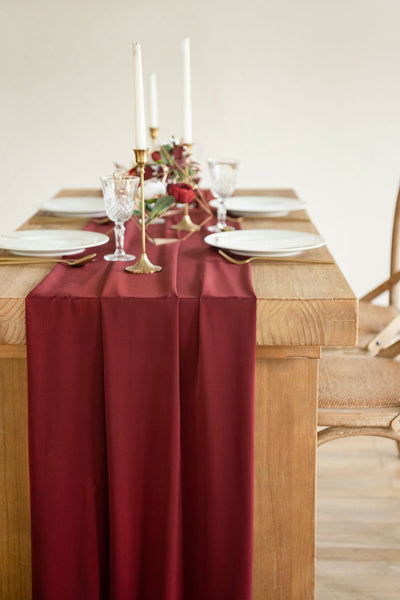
(75, 206)
(51, 242)
(260, 206)
(265, 242)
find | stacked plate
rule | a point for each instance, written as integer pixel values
(265, 242)
(76, 207)
(51, 242)
(260, 206)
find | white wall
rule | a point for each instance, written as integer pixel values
(305, 92)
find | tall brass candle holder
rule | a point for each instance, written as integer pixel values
(154, 134)
(186, 223)
(143, 265)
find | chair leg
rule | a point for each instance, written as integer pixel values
(335, 432)
(398, 447)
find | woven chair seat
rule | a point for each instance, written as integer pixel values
(358, 382)
(372, 318)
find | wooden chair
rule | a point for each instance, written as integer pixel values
(378, 324)
(358, 395)
(359, 389)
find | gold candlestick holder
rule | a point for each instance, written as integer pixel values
(186, 223)
(154, 134)
(143, 265)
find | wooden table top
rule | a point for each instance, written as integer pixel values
(298, 304)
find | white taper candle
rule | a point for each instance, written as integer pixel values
(140, 124)
(187, 93)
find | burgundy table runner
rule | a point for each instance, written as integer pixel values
(141, 427)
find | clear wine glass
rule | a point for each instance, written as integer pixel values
(223, 181)
(119, 197)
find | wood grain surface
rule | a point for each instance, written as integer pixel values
(298, 304)
(358, 520)
(285, 454)
(15, 549)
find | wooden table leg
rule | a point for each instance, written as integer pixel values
(15, 540)
(285, 463)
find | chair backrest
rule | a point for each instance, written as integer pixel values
(394, 294)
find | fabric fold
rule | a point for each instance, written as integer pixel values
(141, 427)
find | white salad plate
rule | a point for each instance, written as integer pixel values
(265, 242)
(51, 242)
(260, 206)
(75, 206)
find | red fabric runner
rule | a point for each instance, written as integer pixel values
(141, 427)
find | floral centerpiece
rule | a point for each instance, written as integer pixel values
(171, 178)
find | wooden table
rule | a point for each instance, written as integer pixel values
(301, 307)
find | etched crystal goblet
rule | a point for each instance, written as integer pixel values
(223, 173)
(119, 197)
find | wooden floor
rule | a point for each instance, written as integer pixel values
(358, 520)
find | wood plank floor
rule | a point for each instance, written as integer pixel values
(358, 520)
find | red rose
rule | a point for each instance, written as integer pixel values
(148, 172)
(182, 192)
(177, 152)
(156, 155)
(135, 172)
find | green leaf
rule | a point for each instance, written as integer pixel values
(166, 154)
(160, 206)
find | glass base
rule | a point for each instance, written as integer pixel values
(216, 229)
(119, 257)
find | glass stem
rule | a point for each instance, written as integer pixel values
(119, 230)
(221, 214)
